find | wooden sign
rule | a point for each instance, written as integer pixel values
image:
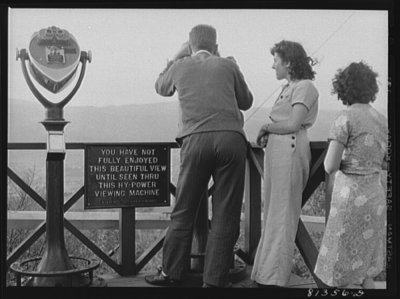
(127, 175)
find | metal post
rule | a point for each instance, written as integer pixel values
(55, 257)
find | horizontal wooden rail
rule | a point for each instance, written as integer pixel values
(110, 220)
(79, 145)
(68, 146)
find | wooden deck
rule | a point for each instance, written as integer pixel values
(137, 281)
(194, 280)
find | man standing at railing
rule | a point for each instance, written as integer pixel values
(211, 92)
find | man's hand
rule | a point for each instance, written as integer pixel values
(183, 52)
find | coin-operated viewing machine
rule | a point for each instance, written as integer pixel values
(54, 56)
(53, 59)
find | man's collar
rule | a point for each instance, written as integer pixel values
(201, 51)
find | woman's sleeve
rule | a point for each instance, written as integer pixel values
(305, 93)
(340, 129)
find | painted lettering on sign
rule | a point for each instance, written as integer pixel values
(126, 175)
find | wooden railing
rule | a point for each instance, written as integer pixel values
(87, 220)
(128, 220)
(254, 174)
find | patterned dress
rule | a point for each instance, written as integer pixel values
(353, 246)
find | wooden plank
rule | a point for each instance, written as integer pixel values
(88, 215)
(68, 146)
(318, 162)
(21, 248)
(26, 146)
(318, 145)
(313, 223)
(74, 198)
(87, 220)
(148, 254)
(110, 220)
(93, 247)
(256, 156)
(137, 281)
(40, 146)
(308, 251)
(252, 202)
(32, 193)
(304, 242)
(172, 189)
(127, 241)
(317, 175)
(243, 256)
(296, 281)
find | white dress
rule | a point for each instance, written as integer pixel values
(286, 170)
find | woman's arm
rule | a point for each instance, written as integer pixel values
(288, 126)
(333, 156)
(291, 125)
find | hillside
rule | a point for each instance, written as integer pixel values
(131, 123)
(128, 123)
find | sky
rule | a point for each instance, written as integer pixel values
(130, 47)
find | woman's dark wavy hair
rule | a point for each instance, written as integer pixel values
(355, 84)
(300, 63)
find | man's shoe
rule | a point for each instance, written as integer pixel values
(267, 286)
(206, 285)
(161, 280)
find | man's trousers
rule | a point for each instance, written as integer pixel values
(222, 156)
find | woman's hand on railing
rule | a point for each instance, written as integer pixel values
(262, 137)
(262, 141)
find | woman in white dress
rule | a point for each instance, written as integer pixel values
(286, 163)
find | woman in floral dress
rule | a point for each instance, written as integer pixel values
(353, 246)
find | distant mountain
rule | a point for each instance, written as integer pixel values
(128, 123)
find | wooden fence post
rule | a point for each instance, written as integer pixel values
(127, 241)
(252, 195)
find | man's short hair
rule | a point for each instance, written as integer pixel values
(203, 37)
